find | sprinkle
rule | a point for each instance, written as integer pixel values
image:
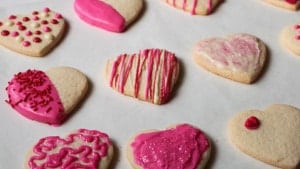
(28, 33)
(19, 23)
(38, 32)
(26, 19)
(44, 22)
(15, 34)
(35, 18)
(35, 13)
(58, 16)
(26, 43)
(11, 17)
(37, 39)
(54, 21)
(5, 33)
(22, 28)
(47, 29)
(46, 9)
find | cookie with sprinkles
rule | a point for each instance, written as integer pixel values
(286, 4)
(290, 38)
(47, 97)
(195, 7)
(148, 75)
(33, 34)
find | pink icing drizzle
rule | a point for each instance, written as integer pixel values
(240, 52)
(151, 59)
(86, 155)
(100, 14)
(176, 148)
(194, 5)
(34, 96)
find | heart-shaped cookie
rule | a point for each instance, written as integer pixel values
(149, 75)
(239, 57)
(290, 38)
(34, 34)
(271, 136)
(182, 146)
(89, 149)
(47, 97)
(195, 7)
(287, 4)
(111, 15)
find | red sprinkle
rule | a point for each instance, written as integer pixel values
(35, 13)
(35, 18)
(58, 16)
(47, 29)
(15, 34)
(46, 9)
(22, 28)
(19, 23)
(37, 32)
(5, 33)
(252, 123)
(26, 19)
(11, 17)
(54, 21)
(37, 40)
(28, 33)
(26, 43)
(44, 22)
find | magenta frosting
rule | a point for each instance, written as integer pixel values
(82, 149)
(34, 96)
(176, 148)
(100, 14)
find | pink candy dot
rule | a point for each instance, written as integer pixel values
(26, 43)
(37, 32)
(11, 17)
(44, 22)
(19, 23)
(54, 21)
(28, 33)
(26, 19)
(5, 33)
(35, 18)
(15, 34)
(22, 27)
(297, 26)
(47, 29)
(298, 37)
(35, 13)
(46, 9)
(58, 16)
(37, 40)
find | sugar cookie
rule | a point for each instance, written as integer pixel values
(290, 38)
(287, 4)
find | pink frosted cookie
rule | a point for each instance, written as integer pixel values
(290, 38)
(271, 136)
(47, 97)
(239, 57)
(84, 149)
(34, 34)
(149, 75)
(195, 7)
(111, 15)
(182, 146)
(287, 4)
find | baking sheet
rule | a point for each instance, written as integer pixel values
(202, 99)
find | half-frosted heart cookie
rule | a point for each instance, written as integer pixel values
(182, 146)
(149, 75)
(271, 136)
(49, 96)
(239, 57)
(290, 38)
(88, 149)
(287, 4)
(111, 15)
(33, 34)
(195, 7)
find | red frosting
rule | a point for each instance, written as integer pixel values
(252, 123)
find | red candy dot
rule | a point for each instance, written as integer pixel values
(298, 37)
(37, 40)
(44, 22)
(11, 17)
(37, 32)
(46, 9)
(35, 13)
(54, 21)
(252, 123)
(15, 34)
(26, 19)
(35, 18)
(297, 26)
(58, 16)
(22, 27)
(291, 1)
(26, 43)
(47, 29)
(5, 33)
(1, 23)
(28, 33)
(19, 23)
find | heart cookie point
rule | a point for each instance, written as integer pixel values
(81, 149)
(18, 33)
(182, 146)
(239, 57)
(275, 141)
(149, 75)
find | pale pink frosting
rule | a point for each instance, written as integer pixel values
(100, 14)
(176, 148)
(194, 5)
(151, 59)
(239, 52)
(34, 96)
(83, 149)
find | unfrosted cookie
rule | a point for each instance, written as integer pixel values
(85, 149)
(271, 136)
(182, 146)
(111, 15)
(149, 75)
(33, 34)
(195, 7)
(49, 96)
(239, 57)
(290, 38)
(287, 4)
